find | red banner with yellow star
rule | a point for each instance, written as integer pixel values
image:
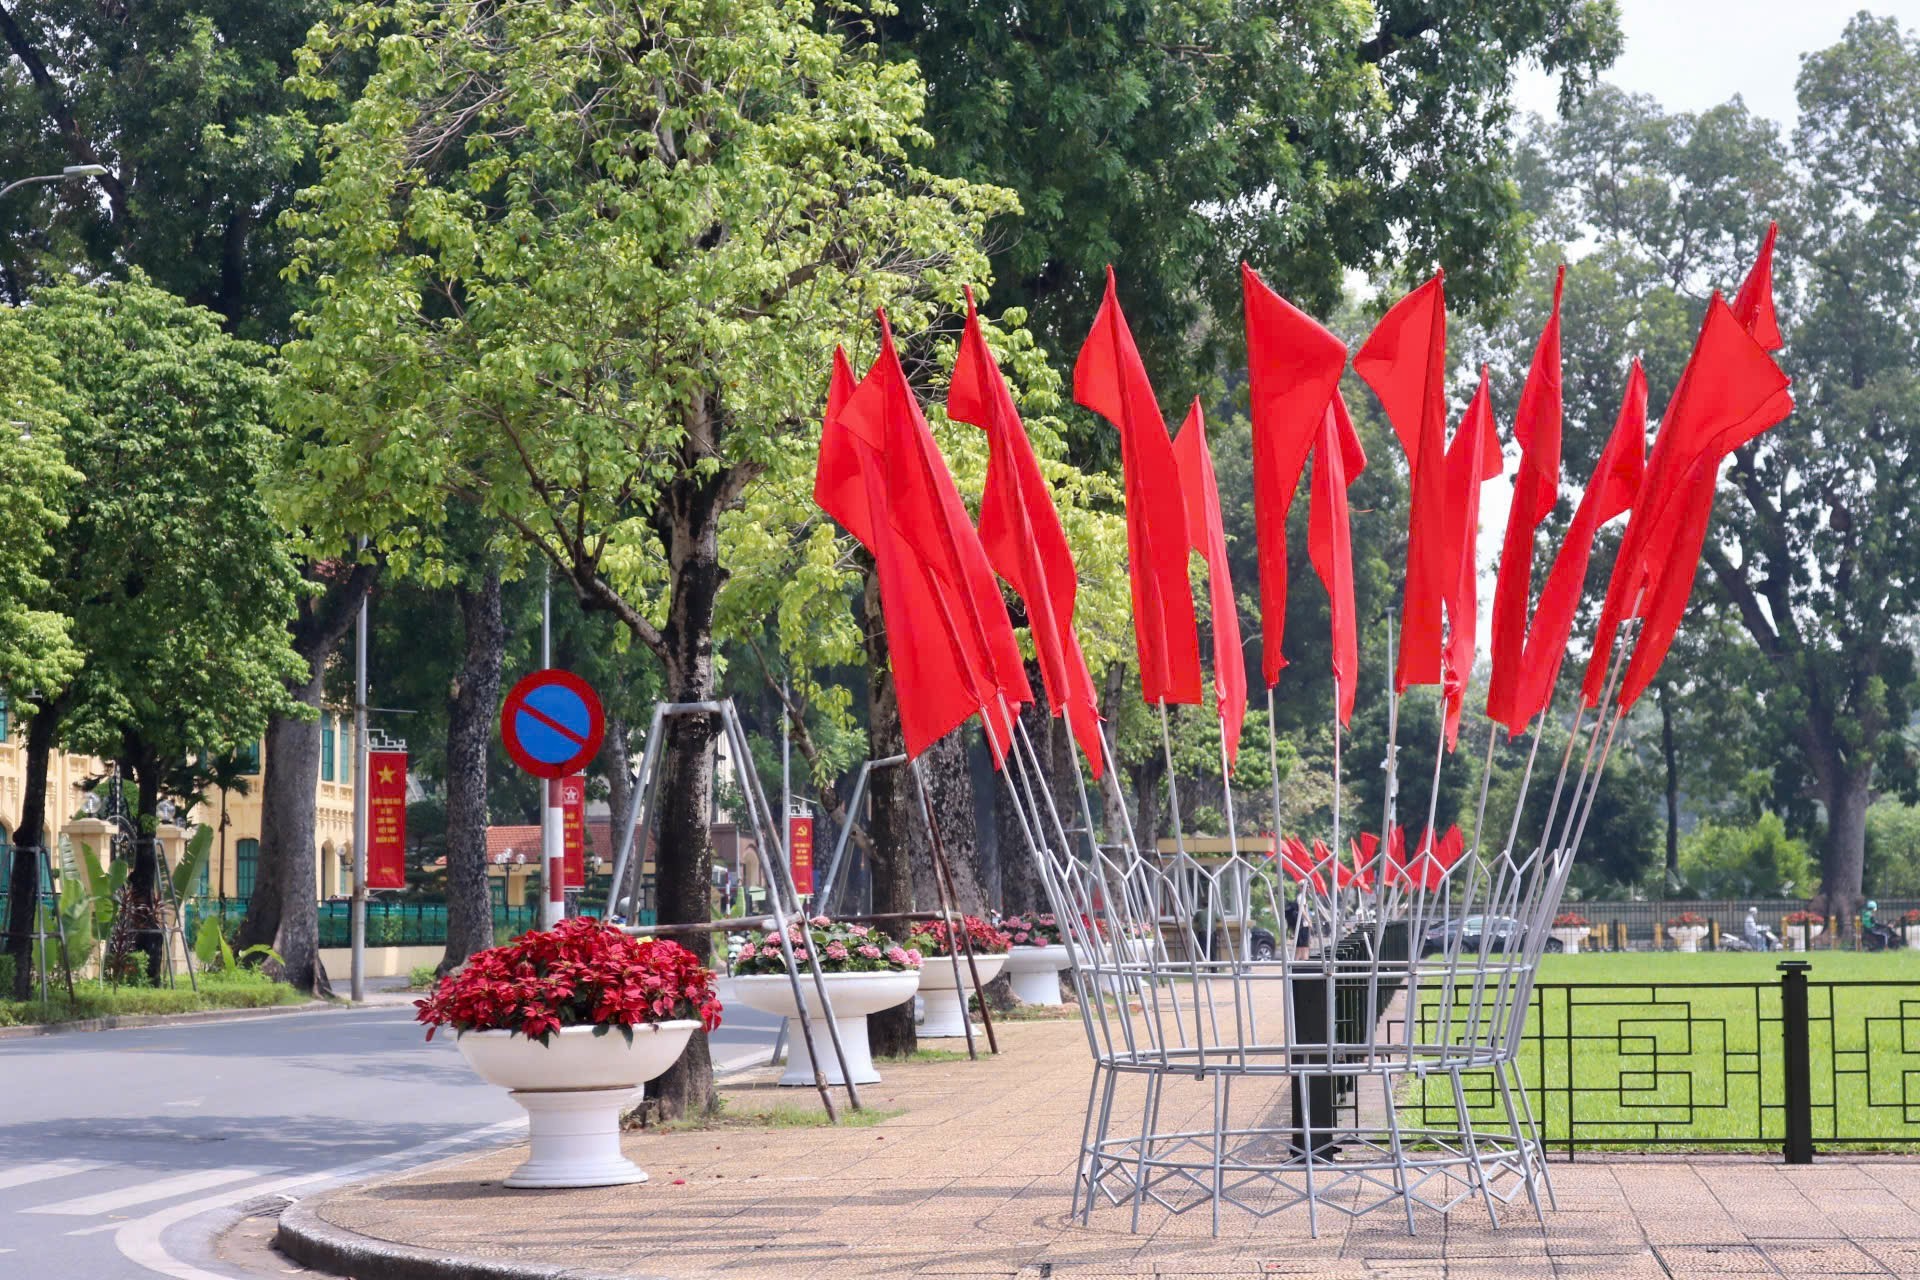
(573, 830)
(386, 820)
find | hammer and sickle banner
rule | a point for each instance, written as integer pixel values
(573, 830)
(386, 820)
(800, 851)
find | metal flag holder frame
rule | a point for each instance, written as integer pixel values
(48, 907)
(783, 899)
(1222, 1081)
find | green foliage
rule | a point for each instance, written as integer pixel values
(1759, 860)
(236, 989)
(1177, 137)
(193, 860)
(36, 649)
(1893, 849)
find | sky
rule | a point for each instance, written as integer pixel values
(1695, 54)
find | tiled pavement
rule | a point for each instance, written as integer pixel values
(974, 1179)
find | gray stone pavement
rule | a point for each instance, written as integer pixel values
(974, 1178)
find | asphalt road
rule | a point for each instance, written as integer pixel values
(123, 1153)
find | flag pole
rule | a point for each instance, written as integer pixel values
(1273, 768)
(1173, 789)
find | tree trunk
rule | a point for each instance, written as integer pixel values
(891, 799)
(1670, 756)
(146, 896)
(472, 704)
(950, 792)
(284, 910)
(616, 765)
(23, 885)
(1020, 890)
(684, 855)
(1843, 860)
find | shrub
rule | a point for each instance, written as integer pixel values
(1687, 920)
(581, 973)
(1571, 920)
(1758, 860)
(1910, 916)
(840, 948)
(1805, 917)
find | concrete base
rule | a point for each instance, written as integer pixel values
(575, 1139)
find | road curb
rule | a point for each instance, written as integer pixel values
(312, 1241)
(124, 1022)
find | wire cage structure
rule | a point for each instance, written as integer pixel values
(1260, 1019)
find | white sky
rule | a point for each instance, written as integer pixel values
(1690, 55)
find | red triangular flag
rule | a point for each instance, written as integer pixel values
(1293, 370)
(839, 488)
(925, 510)
(1207, 535)
(1536, 425)
(1753, 305)
(1472, 460)
(1021, 533)
(1404, 360)
(1338, 460)
(1109, 379)
(1610, 492)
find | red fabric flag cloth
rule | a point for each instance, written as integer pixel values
(1293, 372)
(1207, 534)
(1472, 460)
(1536, 425)
(1109, 379)
(1366, 853)
(1404, 360)
(1753, 305)
(839, 486)
(1730, 391)
(1021, 533)
(925, 511)
(1299, 864)
(1609, 493)
(1395, 869)
(1338, 460)
(934, 685)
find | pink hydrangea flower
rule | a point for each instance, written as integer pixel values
(820, 922)
(835, 951)
(799, 953)
(858, 930)
(870, 951)
(913, 956)
(748, 952)
(896, 955)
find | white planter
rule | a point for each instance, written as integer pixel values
(943, 1006)
(1912, 934)
(573, 1089)
(1799, 936)
(1570, 938)
(1686, 937)
(1035, 973)
(853, 995)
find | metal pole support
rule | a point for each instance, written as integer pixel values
(1796, 1061)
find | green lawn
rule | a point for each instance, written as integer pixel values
(243, 990)
(1669, 1057)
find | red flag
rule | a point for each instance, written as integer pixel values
(1753, 305)
(924, 512)
(1207, 535)
(1366, 854)
(1299, 865)
(1021, 533)
(1536, 425)
(1730, 391)
(1109, 379)
(1293, 371)
(838, 485)
(1404, 360)
(1610, 492)
(1338, 460)
(1472, 460)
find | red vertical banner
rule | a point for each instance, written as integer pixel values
(800, 852)
(573, 829)
(386, 820)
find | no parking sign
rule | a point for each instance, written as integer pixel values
(552, 723)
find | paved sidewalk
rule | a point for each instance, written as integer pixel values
(975, 1179)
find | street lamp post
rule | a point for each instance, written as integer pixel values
(71, 171)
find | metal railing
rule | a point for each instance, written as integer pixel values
(1791, 1064)
(1640, 925)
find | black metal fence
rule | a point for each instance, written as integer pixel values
(1642, 925)
(1791, 1064)
(389, 924)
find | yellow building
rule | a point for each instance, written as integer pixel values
(232, 864)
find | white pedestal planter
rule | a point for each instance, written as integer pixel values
(1035, 973)
(854, 996)
(1912, 934)
(943, 1006)
(1570, 939)
(573, 1089)
(1686, 937)
(1801, 936)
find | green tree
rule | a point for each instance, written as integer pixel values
(606, 265)
(1812, 548)
(1756, 861)
(175, 578)
(1176, 137)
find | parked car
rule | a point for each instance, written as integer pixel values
(1496, 933)
(1260, 944)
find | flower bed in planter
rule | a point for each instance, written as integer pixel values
(1036, 958)
(943, 1004)
(1686, 930)
(572, 1021)
(1802, 928)
(1571, 929)
(865, 972)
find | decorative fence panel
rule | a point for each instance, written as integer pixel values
(1789, 1064)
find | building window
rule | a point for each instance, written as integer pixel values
(6, 724)
(6, 860)
(249, 757)
(246, 859)
(326, 746)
